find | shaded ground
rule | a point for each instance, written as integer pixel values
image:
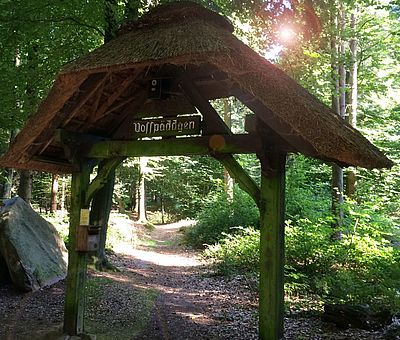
(162, 291)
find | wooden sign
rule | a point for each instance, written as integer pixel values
(160, 127)
(84, 218)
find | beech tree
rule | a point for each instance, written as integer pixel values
(36, 39)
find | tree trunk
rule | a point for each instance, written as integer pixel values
(142, 190)
(353, 79)
(353, 85)
(25, 185)
(228, 180)
(62, 203)
(7, 186)
(54, 193)
(9, 173)
(162, 209)
(337, 199)
(131, 10)
(339, 106)
(121, 205)
(99, 216)
(102, 200)
(111, 22)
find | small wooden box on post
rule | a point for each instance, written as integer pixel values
(88, 238)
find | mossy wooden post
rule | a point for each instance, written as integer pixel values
(77, 261)
(271, 294)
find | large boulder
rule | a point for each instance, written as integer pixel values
(31, 248)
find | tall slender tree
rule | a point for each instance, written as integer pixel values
(338, 103)
(353, 93)
(228, 180)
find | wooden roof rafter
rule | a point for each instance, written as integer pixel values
(103, 110)
(67, 113)
(282, 129)
(97, 98)
(123, 127)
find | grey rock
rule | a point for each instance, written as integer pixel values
(31, 248)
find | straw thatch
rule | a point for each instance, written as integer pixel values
(99, 93)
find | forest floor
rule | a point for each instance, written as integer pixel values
(161, 291)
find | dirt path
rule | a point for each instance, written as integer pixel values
(162, 291)
(189, 304)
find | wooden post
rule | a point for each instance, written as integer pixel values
(271, 293)
(77, 261)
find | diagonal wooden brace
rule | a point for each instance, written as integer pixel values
(245, 182)
(212, 122)
(108, 166)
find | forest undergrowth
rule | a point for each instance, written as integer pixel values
(359, 268)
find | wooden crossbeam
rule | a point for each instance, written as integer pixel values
(213, 123)
(97, 99)
(273, 142)
(55, 161)
(176, 147)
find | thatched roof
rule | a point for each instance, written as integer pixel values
(99, 93)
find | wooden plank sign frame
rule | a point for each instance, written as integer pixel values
(165, 127)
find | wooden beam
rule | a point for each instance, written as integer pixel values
(74, 305)
(107, 168)
(272, 208)
(124, 126)
(212, 123)
(245, 182)
(102, 110)
(55, 161)
(119, 105)
(272, 141)
(97, 99)
(85, 92)
(284, 130)
(175, 147)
